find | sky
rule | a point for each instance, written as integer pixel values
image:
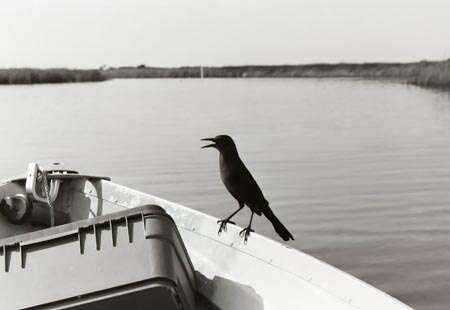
(92, 33)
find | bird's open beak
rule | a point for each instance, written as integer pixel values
(209, 145)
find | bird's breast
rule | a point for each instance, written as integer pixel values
(226, 169)
(228, 165)
(229, 173)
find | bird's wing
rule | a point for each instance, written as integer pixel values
(244, 188)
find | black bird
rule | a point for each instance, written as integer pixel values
(243, 187)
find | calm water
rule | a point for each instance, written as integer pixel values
(358, 170)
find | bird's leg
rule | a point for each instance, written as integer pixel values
(223, 223)
(246, 231)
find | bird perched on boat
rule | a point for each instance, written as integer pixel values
(243, 187)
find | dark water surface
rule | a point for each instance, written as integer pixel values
(358, 170)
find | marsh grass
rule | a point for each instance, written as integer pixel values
(424, 73)
(39, 76)
(433, 75)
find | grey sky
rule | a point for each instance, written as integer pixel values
(90, 33)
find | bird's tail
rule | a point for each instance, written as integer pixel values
(279, 227)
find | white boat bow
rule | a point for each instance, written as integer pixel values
(262, 274)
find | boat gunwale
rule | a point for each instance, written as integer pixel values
(245, 249)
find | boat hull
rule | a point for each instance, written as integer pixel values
(262, 274)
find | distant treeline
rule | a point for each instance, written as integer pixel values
(424, 73)
(38, 76)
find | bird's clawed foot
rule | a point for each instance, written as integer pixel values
(223, 225)
(245, 233)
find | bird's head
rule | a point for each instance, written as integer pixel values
(222, 143)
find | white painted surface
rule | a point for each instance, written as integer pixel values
(262, 274)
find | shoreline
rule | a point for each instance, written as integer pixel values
(434, 74)
(30, 76)
(431, 74)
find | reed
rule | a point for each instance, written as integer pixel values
(39, 76)
(424, 73)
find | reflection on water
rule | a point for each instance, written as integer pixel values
(359, 171)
